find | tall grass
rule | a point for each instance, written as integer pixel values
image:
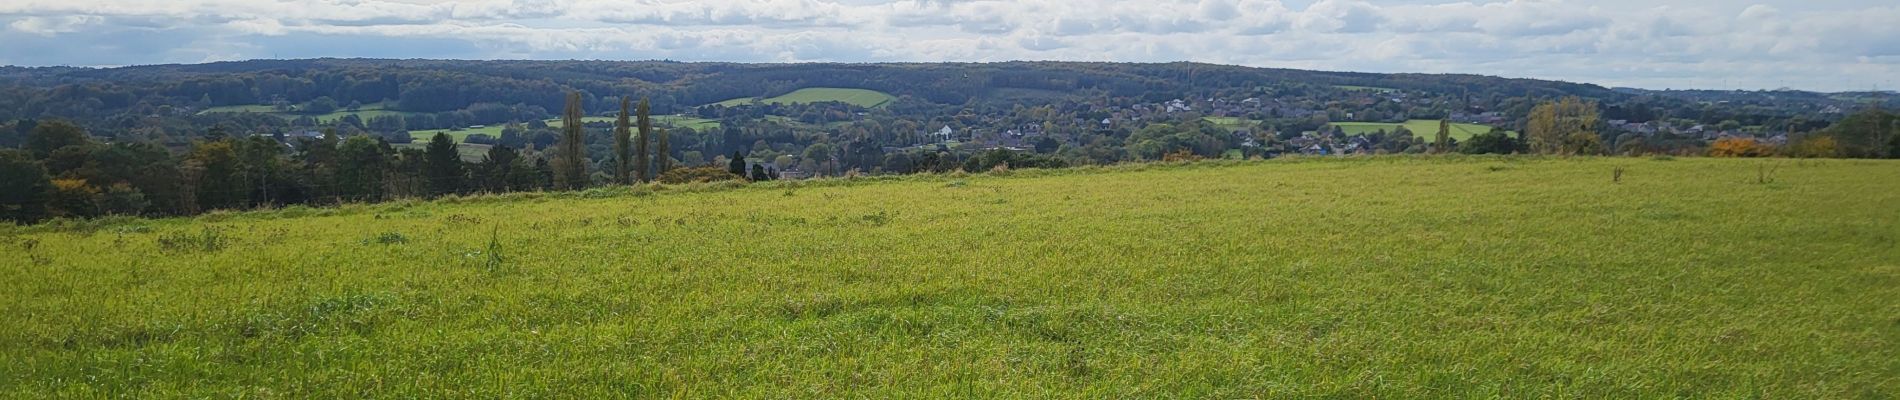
(1378, 277)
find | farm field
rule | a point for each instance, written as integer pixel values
(859, 97)
(697, 124)
(1422, 128)
(1380, 277)
(1231, 122)
(365, 113)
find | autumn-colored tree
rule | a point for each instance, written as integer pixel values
(1567, 126)
(1740, 147)
(1815, 146)
(75, 198)
(623, 137)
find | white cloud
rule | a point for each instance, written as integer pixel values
(49, 26)
(1844, 44)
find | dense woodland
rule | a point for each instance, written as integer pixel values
(146, 141)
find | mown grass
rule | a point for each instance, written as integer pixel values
(1361, 278)
(1422, 128)
(859, 97)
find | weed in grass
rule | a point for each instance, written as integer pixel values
(207, 240)
(1765, 172)
(387, 238)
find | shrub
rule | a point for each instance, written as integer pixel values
(388, 238)
(696, 175)
(1740, 147)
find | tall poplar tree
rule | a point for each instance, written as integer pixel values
(1443, 143)
(664, 154)
(570, 159)
(641, 159)
(623, 133)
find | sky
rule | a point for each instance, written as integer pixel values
(1827, 45)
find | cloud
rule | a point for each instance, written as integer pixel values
(1770, 43)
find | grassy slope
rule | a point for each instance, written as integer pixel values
(1423, 128)
(858, 97)
(698, 124)
(1379, 278)
(368, 111)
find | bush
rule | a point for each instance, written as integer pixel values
(1740, 147)
(700, 174)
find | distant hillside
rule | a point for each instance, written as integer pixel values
(857, 97)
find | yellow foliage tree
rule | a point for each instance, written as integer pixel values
(1816, 146)
(1740, 147)
(74, 198)
(1567, 126)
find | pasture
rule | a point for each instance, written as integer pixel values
(365, 113)
(858, 97)
(1422, 128)
(666, 121)
(1384, 277)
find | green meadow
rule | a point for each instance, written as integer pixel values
(677, 121)
(858, 97)
(1381, 277)
(365, 113)
(1422, 128)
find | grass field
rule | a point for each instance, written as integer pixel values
(1232, 122)
(1423, 128)
(1366, 88)
(697, 124)
(470, 152)
(1337, 278)
(859, 97)
(365, 113)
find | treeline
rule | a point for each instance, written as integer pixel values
(62, 172)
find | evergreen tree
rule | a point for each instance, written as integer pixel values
(361, 168)
(737, 165)
(641, 159)
(570, 158)
(24, 186)
(622, 139)
(442, 166)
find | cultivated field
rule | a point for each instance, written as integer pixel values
(858, 97)
(1345, 278)
(1423, 128)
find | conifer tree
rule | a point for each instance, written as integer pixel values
(737, 165)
